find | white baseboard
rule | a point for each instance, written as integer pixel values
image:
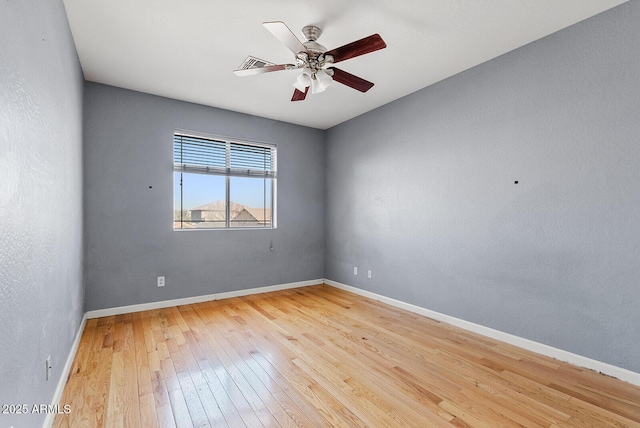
(559, 354)
(62, 381)
(197, 299)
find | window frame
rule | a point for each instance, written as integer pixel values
(228, 171)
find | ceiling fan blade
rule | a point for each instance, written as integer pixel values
(285, 35)
(260, 70)
(299, 95)
(357, 48)
(350, 80)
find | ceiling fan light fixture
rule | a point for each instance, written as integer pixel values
(320, 81)
(324, 78)
(316, 88)
(302, 82)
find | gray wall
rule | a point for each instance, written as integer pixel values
(41, 290)
(422, 192)
(129, 204)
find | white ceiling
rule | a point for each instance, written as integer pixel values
(187, 49)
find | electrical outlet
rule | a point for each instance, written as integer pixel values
(161, 281)
(355, 270)
(369, 274)
(48, 368)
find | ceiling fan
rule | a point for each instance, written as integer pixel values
(314, 60)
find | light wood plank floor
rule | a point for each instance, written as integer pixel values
(317, 357)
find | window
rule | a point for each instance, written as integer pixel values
(223, 184)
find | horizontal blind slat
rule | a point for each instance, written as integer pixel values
(199, 152)
(250, 157)
(208, 156)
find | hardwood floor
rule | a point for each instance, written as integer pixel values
(319, 356)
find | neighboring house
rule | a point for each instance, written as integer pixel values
(257, 217)
(213, 215)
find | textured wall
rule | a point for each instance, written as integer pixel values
(129, 226)
(41, 291)
(422, 192)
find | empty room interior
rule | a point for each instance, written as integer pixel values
(342, 213)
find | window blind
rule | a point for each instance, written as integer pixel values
(213, 156)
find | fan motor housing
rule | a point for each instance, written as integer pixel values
(312, 33)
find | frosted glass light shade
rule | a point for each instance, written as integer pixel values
(302, 82)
